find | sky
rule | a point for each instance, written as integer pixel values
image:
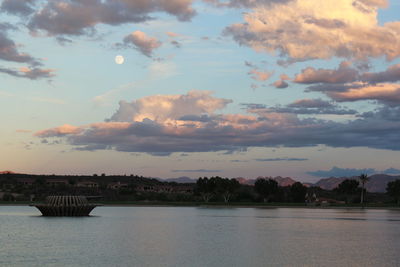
(234, 88)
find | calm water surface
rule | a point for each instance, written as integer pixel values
(178, 236)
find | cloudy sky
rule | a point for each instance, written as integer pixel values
(235, 88)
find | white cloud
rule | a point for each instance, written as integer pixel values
(143, 43)
(162, 108)
(309, 29)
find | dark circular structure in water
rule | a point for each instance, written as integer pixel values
(65, 206)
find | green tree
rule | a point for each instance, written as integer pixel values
(40, 181)
(393, 190)
(226, 187)
(8, 197)
(363, 179)
(265, 188)
(298, 192)
(349, 188)
(72, 181)
(206, 188)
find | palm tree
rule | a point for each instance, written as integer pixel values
(363, 179)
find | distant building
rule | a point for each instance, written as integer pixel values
(183, 189)
(87, 184)
(8, 186)
(55, 182)
(313, 200)
(153, 188)
(25, 181)
(117, 185)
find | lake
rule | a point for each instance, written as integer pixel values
(195, 236)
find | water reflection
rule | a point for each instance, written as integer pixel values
(168, 236)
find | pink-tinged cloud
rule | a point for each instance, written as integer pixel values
(34, 73)
(68, 17)
(143, 43)
(343, 74)
(259, 75)
(63, 130)
(162, 108)
(387, 92)
(284, 77)
(9, 51)
(346, 74)
(348, 84)
(303, 30)
(392, 74)
(280, 84)
(172, 34)
(188, 123)
(23, 131)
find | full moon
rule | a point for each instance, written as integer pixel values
(119, 59)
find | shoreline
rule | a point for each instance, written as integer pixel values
(222, 205)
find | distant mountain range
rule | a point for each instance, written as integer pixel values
(181, 180)
(282, 181)
(377, 182)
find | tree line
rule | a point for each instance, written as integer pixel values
(264, 190)
(206, 189)
(267, 190)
